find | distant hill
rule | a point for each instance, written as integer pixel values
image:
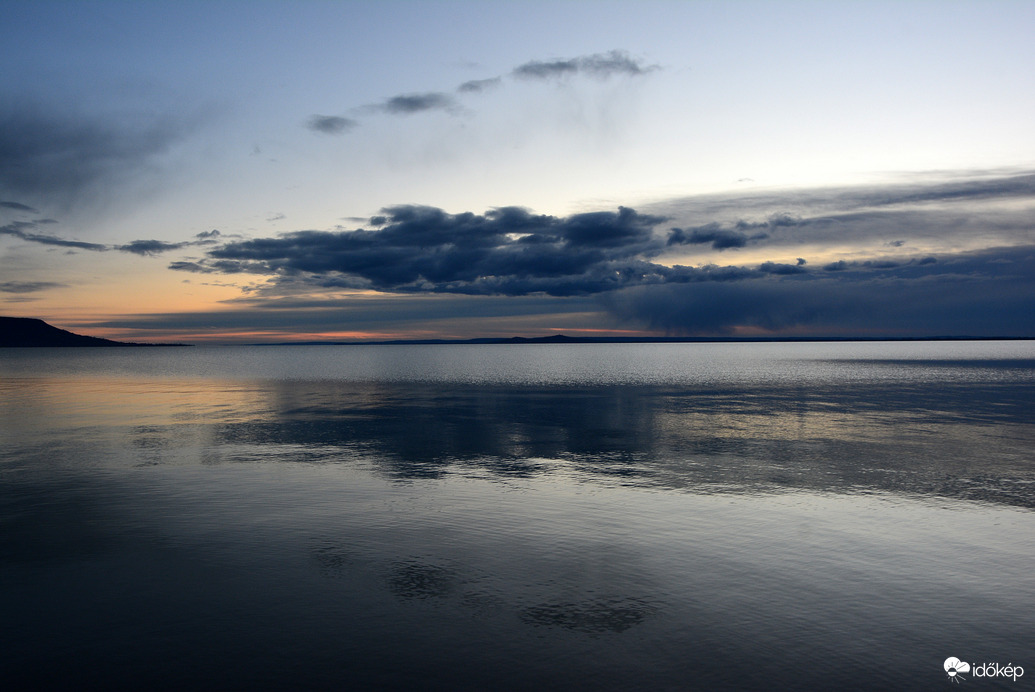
(26, 331)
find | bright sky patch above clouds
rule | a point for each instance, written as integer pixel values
(274, 171)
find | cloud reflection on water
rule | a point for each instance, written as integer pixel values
(939, 440)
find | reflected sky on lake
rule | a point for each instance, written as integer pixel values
(953, 439)
(695, 523)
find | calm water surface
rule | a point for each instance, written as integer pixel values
(658, 516)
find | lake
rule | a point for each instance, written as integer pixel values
(472, 517)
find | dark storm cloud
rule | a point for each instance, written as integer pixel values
(27, 286)
(405, 104)
(57, 158)
(330, 124)
(507, 251)
(23, 231)
(980, 293)
(600, 65)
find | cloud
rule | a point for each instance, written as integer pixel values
(22, 230)
(719, 238)
(150, 247)
(599, 65)
(27, 286)
(931, 215)
(506, 251)
(331, 124)
(978, 293)
(785, 207)
(406, 104)
(187, 266)
(971, 275)
(58, 158)
(18, 207)
(476, 86)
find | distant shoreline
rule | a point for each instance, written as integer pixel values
(27, 332)
(563, 339)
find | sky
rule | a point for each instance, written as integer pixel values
(260, 171)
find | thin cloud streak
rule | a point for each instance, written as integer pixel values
(22, 231)
(599, 65)
(27, 286)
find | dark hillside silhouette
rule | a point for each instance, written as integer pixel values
(27, 331)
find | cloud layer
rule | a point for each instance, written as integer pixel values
(978, 280)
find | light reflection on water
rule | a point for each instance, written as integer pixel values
(724, 519)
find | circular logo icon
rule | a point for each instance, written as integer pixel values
(953, 667)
